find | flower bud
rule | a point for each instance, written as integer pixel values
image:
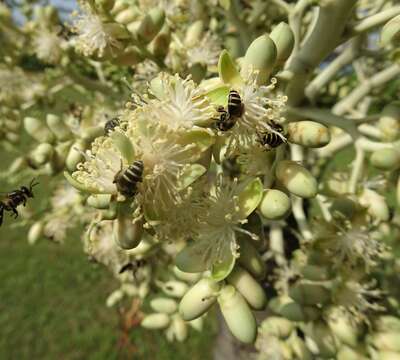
(309, 293)
(130, 289)
(324, 339)
(75, 155)
(187, 277)
(391, 32)
(275, 204)
(283, 37)
(308, 133)
(35, 232)
(143, 290)
(175, 288)
(160, 45)
(193, 34)
(386, 341)
(248, 287)
(250, 259)
(261, 56)
(375, 204)
(389, 122)
(346, 330)
(151, 25)
(387, 323)
(115, 297)
(348, 353)
(297, 179)
(386, 159)
(277, 326)
(42, 154)
(237, 314)
(38, 130)
(91, 133)
(127, 235)
(127, 15)
(155, 321)
(179, 328)
(58, 127)
(99, 201)
(314, 272)
(299, 348)
(12, 138)
(164, 305)
(198, 299)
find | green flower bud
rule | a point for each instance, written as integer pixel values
(127, 235)
(283, 37)
(187, 277)
(389, 122)
(115, 297)
(248, 287)
(35, 232)
(127, 15)
(324, 339)
(42, 154)
(261, 56)
(292, 311)
(175, 288)
(277, 326)
(387, 323)
(308, 133)
(347, 331)
(99, 201)
(75, 155)
(143, 290)
(164, 305)
(297, 179)
(375, 204)
(314, 272)
(237, 314)
(155, 321)
(348, 353)
(386, 159)
(38, 130)
(179, 328)
(386, 341)
(309, 293)
(151, 25)
(250, 259)
(198, 299)
(193, 34)
(345, 206)
(275, 204)
(391, 32)
(197, 324)
(299, 348)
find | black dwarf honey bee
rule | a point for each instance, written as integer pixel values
(127, 179)
(227, 119)
(132, 266)
(16, 198)
(270, 140)
(111, 124)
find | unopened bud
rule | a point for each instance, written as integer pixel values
(275, 204)
(99, 201)
(391, 32)
(309, 293)
(155, 321)
(389, 122)
(250, 259)
(386, 159)
(283, 37)
(164, 305)
(179, 328)
(75, 155)
(38, 130)
(193, 33)
(42, 154)
(35, 232)
(277, 326)
(375, 204)
(127, 15)
(308, 133)
(175, 288)
(324, 339)
(151, 25)
(58, 127)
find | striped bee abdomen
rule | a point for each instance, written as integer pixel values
(111, 125)
(225, 122)
(126, 180)
(270, 139)
(235, 105)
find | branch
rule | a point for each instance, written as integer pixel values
(357, 169)
(375, 20)
(351, 100)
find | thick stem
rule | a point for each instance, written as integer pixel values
(376, 20)
(323, 38)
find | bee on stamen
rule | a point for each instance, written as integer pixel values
(226, 119)
(126, 179)
(110, 125)
(235, 105)
(270, 140)
(16, 198)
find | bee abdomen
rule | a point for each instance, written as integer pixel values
(126, 180)
(235, 105)
(111, 125)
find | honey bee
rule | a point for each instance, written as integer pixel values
(110, 125)
(16, 198)
(224, 121)
(126, 179)
(270, 140)
(132, 266)
(235, 105)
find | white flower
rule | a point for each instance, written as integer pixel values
(205, 52)
(65, 196)
(183, 104)
(47, 46)
(93, 35)
(56, 227)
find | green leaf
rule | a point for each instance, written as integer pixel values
(221, 270)
(124, 145)
(227, 69)
(190, 175)
(192, 258)
(202, 138)
(250, 197)
(219, 95)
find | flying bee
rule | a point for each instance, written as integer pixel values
(16, 198)
(270, 140)
(127, 179)
(235, 105)
(110, 125)
(225, 122)
(132, 266)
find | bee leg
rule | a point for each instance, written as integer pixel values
(1, 214)
(15, 212)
